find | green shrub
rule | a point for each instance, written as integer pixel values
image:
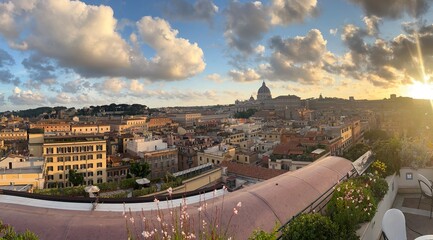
(377, 185)
(350, 205)
(107, 186)
(7, 232)
(263, 235)
(310, 226)
(117, 195)
(77, 191)
(144, 191)
(128, 183)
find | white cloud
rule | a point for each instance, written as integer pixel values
(20, 97)
(260, 49)
(176, 58)
(284, 12)
(113, 85)
(85, 38)
(136, 87)
(333, 31)
(215, 77)
(247, 75)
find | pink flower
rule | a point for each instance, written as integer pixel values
(199, 209)
(235, 211)
(239, 204)
(170, 190)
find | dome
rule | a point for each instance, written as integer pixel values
(264, 93)
(264, 89)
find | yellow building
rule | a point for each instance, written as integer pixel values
(18, 171)
(216, 154)
(52, 126)
(13, 134)
(90, 128)
(85, 154)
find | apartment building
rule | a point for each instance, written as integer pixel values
(85, 154)
(13, 134)
(216, 154)
(90, 128)
(52, 126)
(161, 159)
(187, 119)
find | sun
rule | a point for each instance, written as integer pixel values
(421, 90)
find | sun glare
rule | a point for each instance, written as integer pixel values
(421, 90)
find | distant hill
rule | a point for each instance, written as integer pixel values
(112, 109)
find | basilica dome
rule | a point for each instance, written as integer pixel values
(264, 93)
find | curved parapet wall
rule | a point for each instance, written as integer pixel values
(263, 204)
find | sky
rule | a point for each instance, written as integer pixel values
(208, 52)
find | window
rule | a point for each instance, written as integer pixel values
(50, 177)
(99, 180)
(90, 174)
(83, 157)
(98, 156)
(68, 158)
(60, 159)
(98, 147)
(60, 176)
(75, 167)
(99, 164)
(59, 168)
(68, 167)
(50, 150)
(82, 166)
(49, 159)
(50, 168)
(75, 158)
(66, 176)
(89, 157)
(99, 173)
(90, 165)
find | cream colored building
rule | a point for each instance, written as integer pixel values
(85, 154)
(90, 128)
(19, 171)
(187, 119)
(216, 154)
(13, 134)
(52, 126)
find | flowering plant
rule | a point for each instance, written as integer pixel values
(350, 205)
(177, 223)
(378, 168)
(377, 185)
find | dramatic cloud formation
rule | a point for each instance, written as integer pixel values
(284, 12)
(248, 22)
(393, 8)
(20, 97)
(176, 58)
(388, 63)
(184, 10)
(302, 59)
(85, 39)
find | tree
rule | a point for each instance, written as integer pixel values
(75, 178)
(388, 151)
(375, 135)
(140, 169)
(356, 151)
(415, 154)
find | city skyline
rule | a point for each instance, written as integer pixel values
(203, 52)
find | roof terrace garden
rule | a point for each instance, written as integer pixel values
(328, 197)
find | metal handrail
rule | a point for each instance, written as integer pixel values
(318, 202)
